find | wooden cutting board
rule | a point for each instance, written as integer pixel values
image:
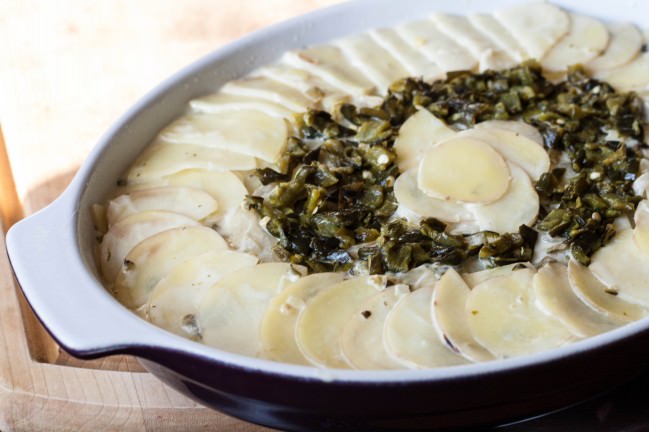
(72, 67)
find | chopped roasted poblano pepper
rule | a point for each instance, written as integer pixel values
(331, 205)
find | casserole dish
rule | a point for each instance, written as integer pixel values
(51, 253)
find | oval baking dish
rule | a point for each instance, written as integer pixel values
(52, 256)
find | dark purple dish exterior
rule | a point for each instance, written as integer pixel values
(51, 253)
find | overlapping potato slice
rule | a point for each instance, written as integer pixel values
(125, 234)
(436, 46)
(372, 60)
(465, 170)
(406, 54)
(217, 103)
(641, 230)
(514, 147)
(409, 196)
(362, 338)
(194, 203)
(330, 64)
(173, 302)
(279, 323)
(586, 39)
(625, 42)
(554, 296)
(519, 128)
(248, 132)
(460, 29)
(495, 31)
(519, 206)
(536, 26)
(421, 131)
(155, 256)
(622, 267)
(450, 320)
(503, 318)
(230, 311)
(474, 278)
(161, 159)
(630, 76)
(263, 87)
(323, 319)
(598, 296)
(409, 335)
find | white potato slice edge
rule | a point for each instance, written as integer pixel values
(362, 338)
(514, 147)
(230, 311)
(320, 324)
(191, 202)
(503, 318)
(450, 320)
(624, 45)
(173, 302)
(410, 197)
(162, 159)
(127, 233)
(278, 327)
(460, 29)
(218, 103)
(411, 58)
(244, 232)
(474, 278)
(252, 133)
(518, 127)
(493, 30)
(436, 46)
(554, 296)
(536, 26)
(623, 268)
(417, 134)
(463, 169)
(266, 88)
(586, 39)
(155, 256)
(628, 77)
(409, 336)
(641, 229)
(519, 206)
(594, 293)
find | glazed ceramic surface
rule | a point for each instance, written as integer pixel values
(52, 255)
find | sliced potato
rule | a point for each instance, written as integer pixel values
(519, 205)
(441, 49)
(155, 256)
(279, 323)
(244, 233)
(163, 159)
(419, 133)
(554, 296)
(268, 89)
(218, 103)
(503, 318)
(623, 268)
(517, 127)
(493, 30)
(321, 322)
(372, 60)
(460, 29)
(330, 64)
(362, 338)
(408, 195)
(630, 76)
(191, 202)
(641, 230)
(536, 26)
(475, 278)
(447, 172)
(598, 296)
(450, 320)
(586, 40)
(230, 311)
(173, 302)
(409, 335)
(410, 57)
(514, 147)
(624, 45)
(249, 132)
(127, 233)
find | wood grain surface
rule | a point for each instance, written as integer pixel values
(69, 69)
